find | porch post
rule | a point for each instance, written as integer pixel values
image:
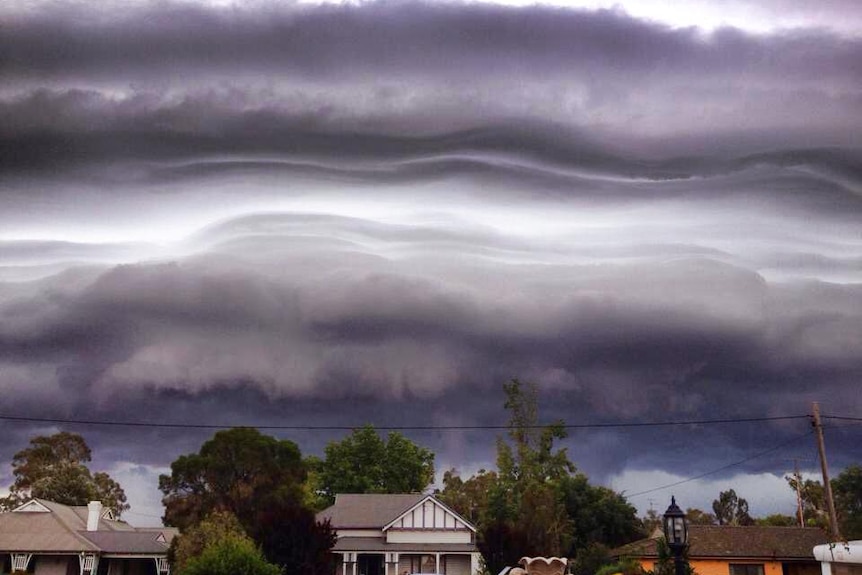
(162, 566)
(436, 563)
(391, 565)
(20, 561)
(88, 563)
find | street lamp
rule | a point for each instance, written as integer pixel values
(676, 534)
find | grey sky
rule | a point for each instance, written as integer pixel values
(340, 214)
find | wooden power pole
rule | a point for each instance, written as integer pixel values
(827, 487)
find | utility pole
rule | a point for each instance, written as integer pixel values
(827, 487)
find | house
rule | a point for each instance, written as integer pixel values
(843, 558)
(732, 550)
(400, 533)
(47, 538)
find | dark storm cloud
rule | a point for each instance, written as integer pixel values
(174, 71)
(414, 37)
(379, 213)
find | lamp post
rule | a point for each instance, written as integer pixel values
(676, 534)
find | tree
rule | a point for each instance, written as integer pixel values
(665, 564)
(291, 537)
(731, 509)
(215, 528)
(600, 515)
(699, 517)
(469, 498)
(525, 508)
(238, 470)
(231, 556)
(847, 490)
(777, 520)
(813, 501)
(53, 467)
(364, 463)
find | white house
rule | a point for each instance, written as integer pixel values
(47, 538)
(844, 558)
(397, 534)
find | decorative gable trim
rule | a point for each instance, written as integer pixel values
(429, 513)
(161, 538)
(108, 514)
(31, 506)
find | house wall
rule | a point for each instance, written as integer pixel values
(47, 565)
(428, 536)
(359, 532)
(722, 566)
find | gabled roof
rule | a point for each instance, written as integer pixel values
(755, 541)
(42, 526)
(368, 510)
(458, 521)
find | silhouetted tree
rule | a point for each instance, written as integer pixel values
(53, 467)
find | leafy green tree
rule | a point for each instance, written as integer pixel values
(777, 520)
(813, 501)
(291, 537)
(699, 517)
(525, 508)
(364, 463)
(651, 521)
(54, 467)
(469, 498)
(664, 564)
(847, 490)
(230, 556)
(239, 470)
(600, 515)
(625, 566)
(730, 509)
(215, 528)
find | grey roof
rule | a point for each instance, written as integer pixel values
(126, 542)
(63, 530)
(379, 544)
(43, 532)
(368, 511)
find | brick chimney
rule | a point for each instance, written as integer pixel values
(94, 513)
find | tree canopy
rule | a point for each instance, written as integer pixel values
(847, 490)
(54, 467)
(730, 509)
(536, 503)
(239, 470)
(364, 463)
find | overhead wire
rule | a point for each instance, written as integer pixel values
(121, 423)
(722, 468)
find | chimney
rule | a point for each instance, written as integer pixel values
(94, 513)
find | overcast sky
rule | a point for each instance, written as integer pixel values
(293, 214)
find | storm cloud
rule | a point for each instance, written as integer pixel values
(305, 215)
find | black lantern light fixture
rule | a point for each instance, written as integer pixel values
(676, 534)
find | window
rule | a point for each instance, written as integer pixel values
(746, 569)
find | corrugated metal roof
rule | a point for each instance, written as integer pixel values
(367, 510)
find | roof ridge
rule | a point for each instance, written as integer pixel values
(63, 523)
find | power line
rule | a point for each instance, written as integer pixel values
(119, 423)
(842, 418)
(722, 468)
